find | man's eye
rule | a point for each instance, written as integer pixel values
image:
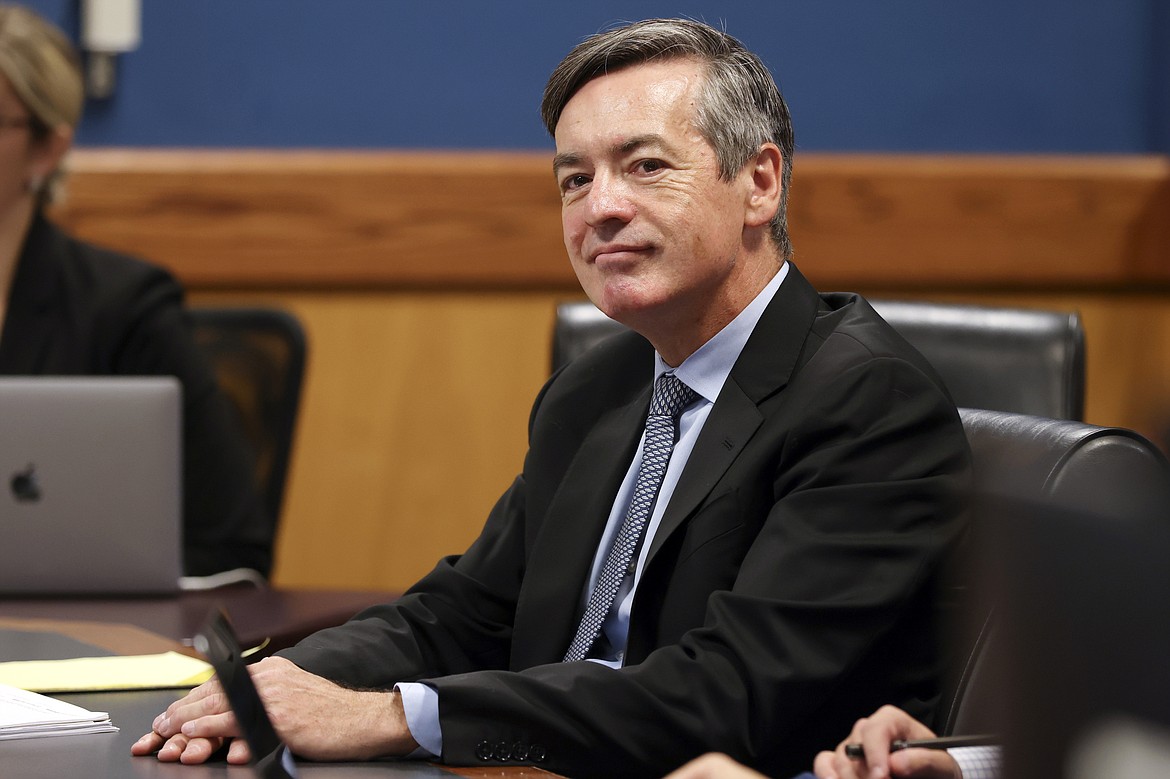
(574, 182)
(650, 166)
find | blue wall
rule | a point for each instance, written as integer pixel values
(859, 75)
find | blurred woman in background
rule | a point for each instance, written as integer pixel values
(68, 308)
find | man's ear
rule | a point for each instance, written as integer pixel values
(766, 185)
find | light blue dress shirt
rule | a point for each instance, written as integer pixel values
(705, 372)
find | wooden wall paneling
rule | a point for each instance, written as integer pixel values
(350, 219)
(929, 221)
(491, 220)
(413, 421)
(427, 284)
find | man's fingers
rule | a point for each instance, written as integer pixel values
(212, 726)
(200, 750)
(172, 749)
(209, 701)
(148, 744)
(180, 748)
(823, 765)
(210, 687)
(238, 753)
(924, 764)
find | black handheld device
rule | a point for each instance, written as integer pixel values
(218, 643)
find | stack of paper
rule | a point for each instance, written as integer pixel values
(29, 715)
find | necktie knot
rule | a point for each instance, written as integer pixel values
(671, 396)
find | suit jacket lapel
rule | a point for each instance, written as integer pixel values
(563, 554)
(764, 367)
(731, 424)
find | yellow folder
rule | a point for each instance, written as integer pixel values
(169, 670)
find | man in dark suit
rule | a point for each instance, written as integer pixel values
(747, 567)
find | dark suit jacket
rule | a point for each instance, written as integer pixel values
(787, 591)
(76, 310)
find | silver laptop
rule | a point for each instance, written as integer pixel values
(90, 485)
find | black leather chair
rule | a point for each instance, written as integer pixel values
(1005, 359)
(258, 355)
(579, 326)
(1024, 466)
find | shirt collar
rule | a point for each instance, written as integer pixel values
(707, 369)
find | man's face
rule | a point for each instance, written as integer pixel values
(653, 233)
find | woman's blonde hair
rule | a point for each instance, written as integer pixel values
(43, 67)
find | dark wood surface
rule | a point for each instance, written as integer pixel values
(144, 625)
(280, 617)
(107, 756)
(57, 639)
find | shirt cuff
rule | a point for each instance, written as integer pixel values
(978, 762)
(421, 704)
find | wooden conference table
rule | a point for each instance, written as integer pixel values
(148, 625)
(282, 617)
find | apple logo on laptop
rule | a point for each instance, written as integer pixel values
(25, 487)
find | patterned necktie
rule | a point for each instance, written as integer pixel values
(671, 396)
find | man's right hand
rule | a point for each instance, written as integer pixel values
(316, 718)
(875, 734)
(167, 739)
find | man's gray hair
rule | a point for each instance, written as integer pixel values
(740, 107)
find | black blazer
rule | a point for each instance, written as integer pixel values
(76, 310)
(787, 591)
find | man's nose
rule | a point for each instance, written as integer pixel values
(609, 198)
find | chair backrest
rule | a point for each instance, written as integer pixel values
(1021, 462)
(1004, 359)
(258, 355)
(579, 326)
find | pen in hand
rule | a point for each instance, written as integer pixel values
(856, 751)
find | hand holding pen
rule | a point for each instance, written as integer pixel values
(873, 738)
(857, 751)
